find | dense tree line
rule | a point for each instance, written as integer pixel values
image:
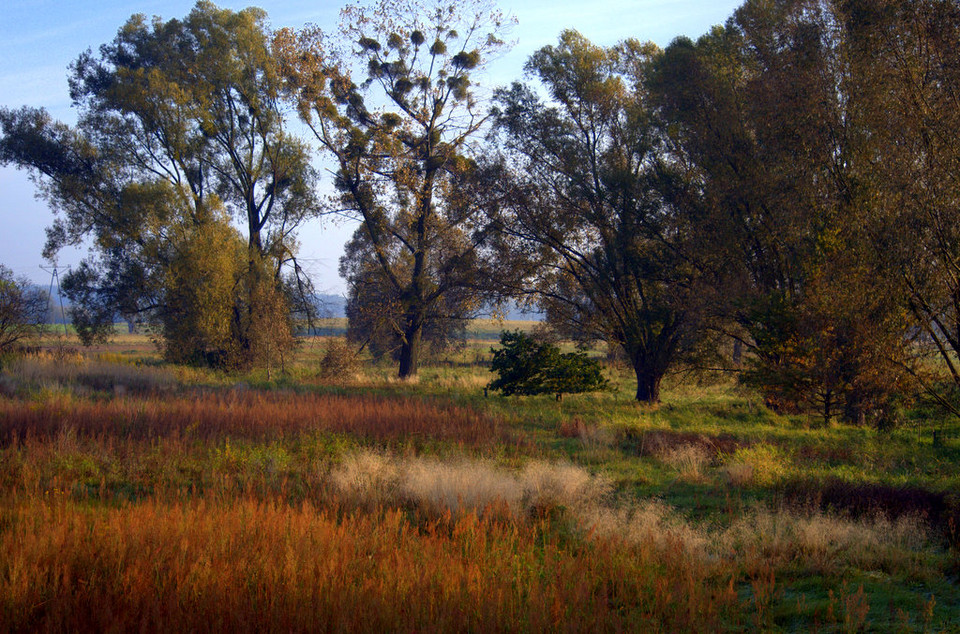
(788, 182)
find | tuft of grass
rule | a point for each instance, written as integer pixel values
(688, 460)
(766, 463)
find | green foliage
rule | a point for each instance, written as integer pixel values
(180, 129)
(200, 296)
(777, 146)
(527, 368)
(585, 220)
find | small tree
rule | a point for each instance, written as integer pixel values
(22, 309)
(527, 368)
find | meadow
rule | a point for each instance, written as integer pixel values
(330, 496)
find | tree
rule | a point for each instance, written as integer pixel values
(180, 122)
(526, 367)
(23, 310)
(761, 119)
(587, 213)
(200, 296)
(396, 110)
(376, 318)
(904, 90)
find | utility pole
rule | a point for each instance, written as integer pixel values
(54, 275)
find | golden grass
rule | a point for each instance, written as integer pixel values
(827, 544)
(459, 486)
(255, 566)
(689, 459)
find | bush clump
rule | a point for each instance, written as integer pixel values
(526, 367)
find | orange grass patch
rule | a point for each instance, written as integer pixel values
(260, 566)
(253, 415)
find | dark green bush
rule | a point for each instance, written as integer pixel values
(527, 367)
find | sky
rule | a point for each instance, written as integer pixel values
(40, 38)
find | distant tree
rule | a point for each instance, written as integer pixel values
(376, 318)
(23, 310)
(395, 108)
(180, 122)
(597, 240)
(527, 367)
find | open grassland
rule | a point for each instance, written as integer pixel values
(136, 495)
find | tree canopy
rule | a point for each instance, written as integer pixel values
(392, 102)
(180, 130)
(588, 214)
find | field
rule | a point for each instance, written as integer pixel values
(329, 496)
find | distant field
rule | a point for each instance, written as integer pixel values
(478, 329)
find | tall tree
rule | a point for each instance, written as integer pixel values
(759, 113)
(395, 108)
(905, 100)
(180, 124)
(599, 238)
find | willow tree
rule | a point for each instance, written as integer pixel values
(762, 113)
(588, 215)
(390, 98)
(180, 135)
(904, 94)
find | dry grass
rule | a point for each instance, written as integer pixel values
(255, 566)
(52, 373)
(258, 511)
(689, 460)
(826, 544)
(590, 435)
(465, 486)
(251, 415)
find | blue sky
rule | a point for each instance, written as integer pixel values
(40, 38)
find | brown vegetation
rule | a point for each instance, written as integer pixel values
(248, 414)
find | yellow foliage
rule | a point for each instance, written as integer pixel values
(201, 292)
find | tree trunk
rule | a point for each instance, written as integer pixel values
(648, 383)
(410, 351)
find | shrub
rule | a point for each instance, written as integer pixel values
(528, 368)
(768, 463)
(339, 361)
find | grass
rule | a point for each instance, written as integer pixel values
(136, 495)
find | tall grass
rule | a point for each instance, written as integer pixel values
(260, 566)
(251, 415)
(47, 372)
